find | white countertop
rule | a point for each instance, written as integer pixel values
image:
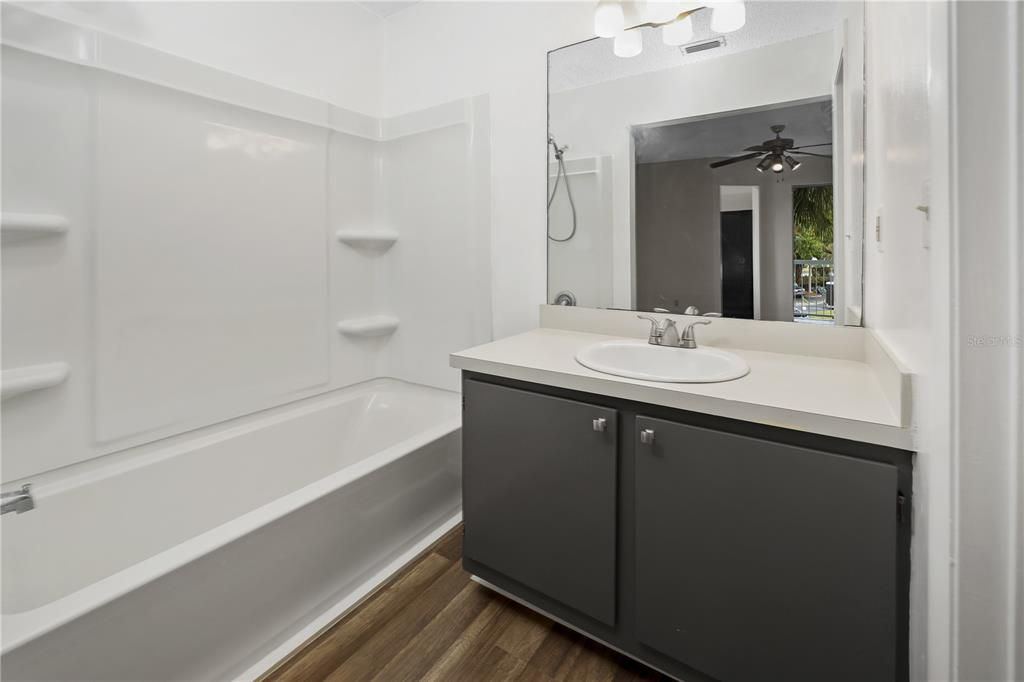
(833, 397)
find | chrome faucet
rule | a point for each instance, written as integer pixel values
(18, 501)
(663, 333)
(688, 340)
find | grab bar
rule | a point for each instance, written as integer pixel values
(18, 501)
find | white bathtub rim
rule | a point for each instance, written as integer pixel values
(22, 627)
(64, 479)
(347, 603)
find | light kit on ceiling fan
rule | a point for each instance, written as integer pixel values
(774, 154)
(675, 19)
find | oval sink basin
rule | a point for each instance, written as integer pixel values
(641, 360)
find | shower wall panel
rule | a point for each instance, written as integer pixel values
(436, 174)
(211, 273)
(201, 277)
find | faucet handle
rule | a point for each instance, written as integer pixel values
(655, 325)
(687, 339)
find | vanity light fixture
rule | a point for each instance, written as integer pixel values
(678, 32)
(609, 19)
(676, 25)
(729, 16)
(628, 44)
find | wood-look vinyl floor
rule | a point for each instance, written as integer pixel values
(431, 622)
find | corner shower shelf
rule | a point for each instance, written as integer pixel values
(32, 378)
(374, 325)
(373, 240)
(21, 226)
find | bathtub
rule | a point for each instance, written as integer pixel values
(213, 554)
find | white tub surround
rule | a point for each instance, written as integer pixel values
(21, 380)
(161, 337)
(215, 552)
(371, 241)
(17, 227)
(831, 381)
(375, 325)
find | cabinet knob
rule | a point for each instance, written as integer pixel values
(647, 436)
(600, 424)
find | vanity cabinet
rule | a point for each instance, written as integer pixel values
(754, 556)
(709, 548)
(539, 493)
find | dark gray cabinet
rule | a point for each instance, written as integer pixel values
(764, 561)
(539, 493)
(712, 549)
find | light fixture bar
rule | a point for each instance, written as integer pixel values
(678, 17)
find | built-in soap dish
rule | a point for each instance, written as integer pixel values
(32, 378)
(373, 325)
(368, 240)
(23, 226)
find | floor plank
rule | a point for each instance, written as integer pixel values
(430, 622)
(331, 649)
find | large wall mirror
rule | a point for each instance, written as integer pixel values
(719, 175)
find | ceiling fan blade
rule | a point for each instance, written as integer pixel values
(735, 159)
(757, 148)
(808, 146)
(820, 156)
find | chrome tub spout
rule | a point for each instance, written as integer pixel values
(18, 501)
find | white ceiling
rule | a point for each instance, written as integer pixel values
(728, 135)
(385, 8)
(767, 23)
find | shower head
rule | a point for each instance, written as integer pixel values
(554, 145)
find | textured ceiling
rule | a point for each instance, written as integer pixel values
(809, 123)
(767, 23)
(385, 8)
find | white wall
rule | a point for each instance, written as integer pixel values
(988, 338)
(328, 50)
(944, 291)
(440, 51)
(902, 279)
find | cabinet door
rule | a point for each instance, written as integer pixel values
(759, 561)
(539, 493)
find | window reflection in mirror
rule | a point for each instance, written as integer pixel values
(725, 182)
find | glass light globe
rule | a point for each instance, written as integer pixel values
(629, 44)
(609, 19)
(728, 16)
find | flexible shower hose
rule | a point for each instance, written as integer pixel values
(572, 204)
